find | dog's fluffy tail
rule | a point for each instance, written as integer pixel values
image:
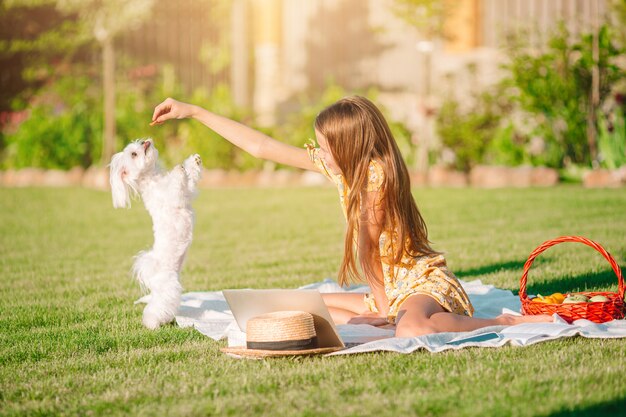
(145, 267)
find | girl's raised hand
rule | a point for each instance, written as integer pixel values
(171, 109)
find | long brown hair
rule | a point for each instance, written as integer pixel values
(357, 132)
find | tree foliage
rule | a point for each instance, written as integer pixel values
(427, 16)
(469, 130)
(106, 19)
(35, 38)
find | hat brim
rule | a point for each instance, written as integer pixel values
(258, 353)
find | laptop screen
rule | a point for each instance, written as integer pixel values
(246, 304)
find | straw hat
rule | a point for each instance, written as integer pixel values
(281, 333)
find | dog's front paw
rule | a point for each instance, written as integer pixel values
(193, 165)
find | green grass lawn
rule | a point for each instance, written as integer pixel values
(71, 340)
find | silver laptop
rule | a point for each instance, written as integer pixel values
(246, 304)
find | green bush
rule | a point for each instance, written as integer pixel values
(550, 92)
(612, 139)
(554, 88)
(506, 148)
(468, 132)
(63, 129)
(65, 125)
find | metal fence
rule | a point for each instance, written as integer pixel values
(183, 34)
(537, 17)
(320, 38)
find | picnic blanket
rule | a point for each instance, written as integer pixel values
(209, 313)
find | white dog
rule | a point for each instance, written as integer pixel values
(167, 197)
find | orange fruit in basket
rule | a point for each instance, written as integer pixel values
(558, 297)
(541, 299)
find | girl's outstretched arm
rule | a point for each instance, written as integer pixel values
(252, 141)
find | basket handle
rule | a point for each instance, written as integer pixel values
(578, 239)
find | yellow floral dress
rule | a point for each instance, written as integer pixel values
(427, 275)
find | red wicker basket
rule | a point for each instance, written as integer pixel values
(598, 312)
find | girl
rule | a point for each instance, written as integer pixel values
(411, 285)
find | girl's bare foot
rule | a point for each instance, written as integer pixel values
(510, 319)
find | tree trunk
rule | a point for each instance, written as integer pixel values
(239, 72)
(108, 69)
(594, 94)
(425, 138)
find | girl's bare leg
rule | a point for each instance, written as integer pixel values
(344, 306)
(421, 314)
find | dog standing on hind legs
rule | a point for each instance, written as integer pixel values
(167, 197)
